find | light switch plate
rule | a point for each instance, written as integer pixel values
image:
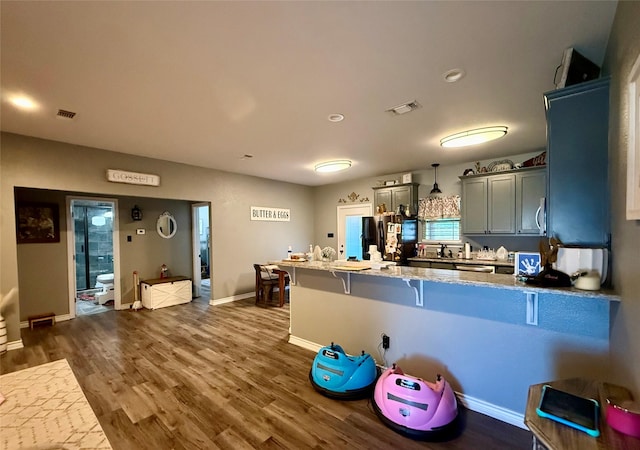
(140, 231)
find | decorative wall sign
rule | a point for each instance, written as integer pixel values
(268, 214)
(527, 263)
(122, 176)
(37, 223)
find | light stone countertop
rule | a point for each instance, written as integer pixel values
(452, 277)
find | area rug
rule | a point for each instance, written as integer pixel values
(45, 407)
(87, 296)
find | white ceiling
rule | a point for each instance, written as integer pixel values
(205, 83)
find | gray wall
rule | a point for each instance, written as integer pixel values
(43, 279)
(146, 253)
(326, 199)
(43, 268)
(237, 242)
(622, 52)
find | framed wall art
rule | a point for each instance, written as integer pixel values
(37, 223)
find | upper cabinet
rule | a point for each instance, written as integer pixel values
(531, 189)
(577, 157)
(503, 203)
(396, 195)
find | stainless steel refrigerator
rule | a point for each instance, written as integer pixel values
(384, 231)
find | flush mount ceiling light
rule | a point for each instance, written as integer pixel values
(473, 137)
(335, 117)
(333, 166)
(404, 108)
(436, 189)
(453, 75)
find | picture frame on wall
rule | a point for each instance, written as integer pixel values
(37, 223)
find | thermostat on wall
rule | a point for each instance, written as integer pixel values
(140, 231)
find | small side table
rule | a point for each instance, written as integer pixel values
(551, 435)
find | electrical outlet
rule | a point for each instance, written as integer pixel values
(385, 341)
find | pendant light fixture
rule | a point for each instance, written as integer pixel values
(474, 137)
(436, 189)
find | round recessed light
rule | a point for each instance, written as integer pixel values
(335, 117)
(474, 137)
(333, 166)
(453, 75)
(23, 102)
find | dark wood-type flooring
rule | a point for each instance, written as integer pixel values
(196, 376)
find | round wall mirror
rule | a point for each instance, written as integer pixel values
(166, 225)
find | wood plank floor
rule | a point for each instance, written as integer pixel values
(196, 376)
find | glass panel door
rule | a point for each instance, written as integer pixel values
(93, 243)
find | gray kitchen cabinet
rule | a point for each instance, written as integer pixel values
(501, 217)
(503, 203)
(488, 204)
(474, 206)
(396, 195)
(531, 187)
(578, 161)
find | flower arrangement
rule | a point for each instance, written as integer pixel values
(328, 253)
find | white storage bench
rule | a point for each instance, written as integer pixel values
(163, 292)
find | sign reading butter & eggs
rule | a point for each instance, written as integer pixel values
(270, 214)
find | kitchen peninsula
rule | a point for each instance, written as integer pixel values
(490, 335)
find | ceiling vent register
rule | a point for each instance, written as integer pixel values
(404, 108)
(65, 114)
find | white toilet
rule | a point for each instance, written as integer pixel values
(105, 281)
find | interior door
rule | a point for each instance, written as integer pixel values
(71, 248)
(350, 229)
(201, 246)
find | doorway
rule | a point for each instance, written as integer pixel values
(350, 230)
(201, 251)
(93, 252)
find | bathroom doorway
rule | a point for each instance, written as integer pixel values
(201, 251)
(93, 251)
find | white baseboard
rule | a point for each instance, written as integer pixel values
(15, 345)
(491, 410)
(233, 298)
(60, 318)
(474, 404)
(304, 343)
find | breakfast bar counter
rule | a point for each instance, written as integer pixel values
(445, 276)
(490, 335)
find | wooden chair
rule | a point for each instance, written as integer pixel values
(266, 281)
